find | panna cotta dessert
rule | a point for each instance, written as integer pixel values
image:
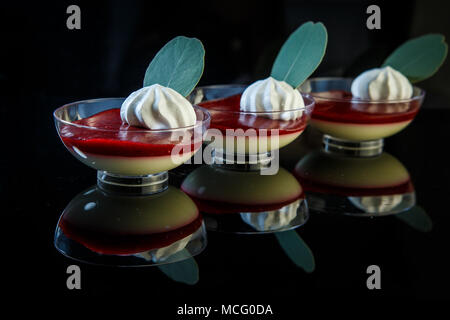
(105, 142)
(132, 142)
(249, 122)
(343, 115)
(381, 101)
(265, 203)
(269, 113)
(138, 229)
(358, 185)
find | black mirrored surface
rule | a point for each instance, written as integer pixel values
(315, 247)
(327, 254)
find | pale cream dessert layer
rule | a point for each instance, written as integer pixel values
(251, 144)
(359, 132)
(132, 166)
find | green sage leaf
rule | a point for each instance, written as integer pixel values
(178, 65)
(419, 58)
(301, 54)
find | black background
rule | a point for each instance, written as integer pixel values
(44, 65)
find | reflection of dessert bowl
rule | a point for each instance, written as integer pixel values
(266, 203)
(156, 226)
(374, 185)
(245, 131)
(341, 115)
(94, 133)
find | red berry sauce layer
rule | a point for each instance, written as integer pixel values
(126, 243)
(320, 187)
(221, 207)
(341, 106)
(111, 137)
(225, 114)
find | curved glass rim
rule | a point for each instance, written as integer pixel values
(418, 96)
(197, 124)
(306, 107)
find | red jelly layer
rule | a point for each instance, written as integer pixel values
(350, 110)
(314, 186)
(222, 207)
(225, 114)
(126, 243)
(110, 136)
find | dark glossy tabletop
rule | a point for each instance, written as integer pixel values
(44, 65)
(240, 268)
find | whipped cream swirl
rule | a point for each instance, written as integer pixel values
(382, 84)
(157, 107)
(271, 95)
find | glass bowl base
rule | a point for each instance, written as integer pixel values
(369, 148)
(132, 185)
(242, 162)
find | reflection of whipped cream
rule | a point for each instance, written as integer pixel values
(270, 95)
(382, 84)
(162, 254)
(272, 220)
(157, 107)
(377, 204)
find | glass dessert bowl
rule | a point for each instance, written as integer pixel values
(234, 132)
(126, 157)
(342, 117)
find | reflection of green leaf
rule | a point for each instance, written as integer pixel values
(419, 58)
(416, 218)
(185, 271)
(178, 65)
(301, 54)
(296, 249)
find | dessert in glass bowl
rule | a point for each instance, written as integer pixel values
(250, 122)
(132, 142)
(257, 127)
(358, 113)
(94, 133)
(340, 114)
